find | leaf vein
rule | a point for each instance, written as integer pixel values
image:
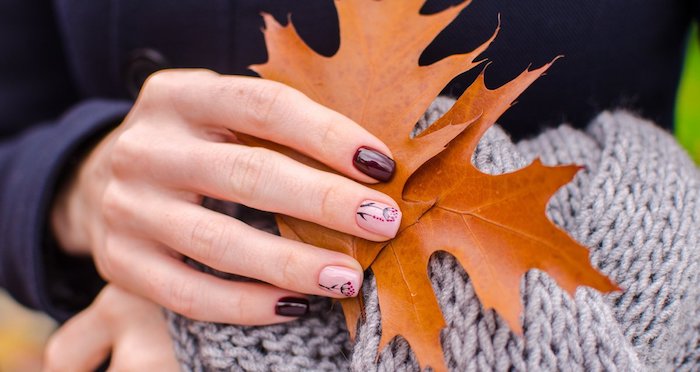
(405, 281)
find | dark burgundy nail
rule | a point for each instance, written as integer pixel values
(292, 306)
(374, 164)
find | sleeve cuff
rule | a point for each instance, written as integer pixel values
(40, 276)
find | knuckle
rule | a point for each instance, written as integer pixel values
(287, 268)
(110, 259)
(180, 297)
(158, 79)
(128, 151)
(107, 258)
(170, 85)
(249, 172)
(323, 201)
(165, 80)
(157, 85)
(103, 266)
(264, 99)
(114, 205)
(237, 307)
(329, 132)
(209, 240)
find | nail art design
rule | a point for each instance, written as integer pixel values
(385, 214)
(374, 164)
(378, 218)
(346, 288)
(340, 280)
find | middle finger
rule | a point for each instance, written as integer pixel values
(266, 180)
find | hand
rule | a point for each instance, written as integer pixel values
(131, 328)
(135, 201)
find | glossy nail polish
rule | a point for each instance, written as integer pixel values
(374, 164)
(292, 306)
(378, 218)
(340, 280)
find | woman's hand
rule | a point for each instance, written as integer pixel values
(131, 329)
(135, 201)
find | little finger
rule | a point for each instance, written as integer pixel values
(175, 285)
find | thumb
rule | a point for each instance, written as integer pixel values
(81, 344)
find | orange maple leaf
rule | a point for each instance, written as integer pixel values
(495, 225)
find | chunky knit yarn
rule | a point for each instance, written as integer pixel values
(635, 206)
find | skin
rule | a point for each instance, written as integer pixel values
(137, 342)
(134, 204)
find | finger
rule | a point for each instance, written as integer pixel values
(229, 245)
(143, 343)
(276, 112)
(267, 180)
(81, 344)
(152, 273)
(145, 349)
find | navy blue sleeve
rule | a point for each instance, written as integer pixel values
(43, 125)
(31, 166)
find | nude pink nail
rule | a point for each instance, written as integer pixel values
(378, 218)
(340, 280)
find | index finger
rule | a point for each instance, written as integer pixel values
(278, 113)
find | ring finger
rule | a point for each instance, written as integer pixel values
(229, 245)
(149, 271)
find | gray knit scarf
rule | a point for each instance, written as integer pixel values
(635, 206)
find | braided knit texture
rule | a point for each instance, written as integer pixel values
(635, 206)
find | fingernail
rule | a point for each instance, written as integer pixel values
(292, 306)
(374, 164)
(378, 218)
(340, 280)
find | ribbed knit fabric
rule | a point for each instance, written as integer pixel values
(635, 206)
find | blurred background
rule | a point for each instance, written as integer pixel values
(23, 333)
(22, 336)
(688, 109)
